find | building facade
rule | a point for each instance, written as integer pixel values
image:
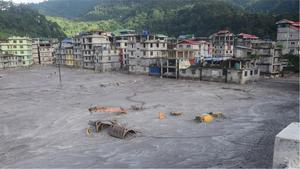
(222, 43)
(288, 36)
(269, 57)
(43, 50)
(144, 51)
(20, 47)
(8, 61)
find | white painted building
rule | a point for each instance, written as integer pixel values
(288, 36)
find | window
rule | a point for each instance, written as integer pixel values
(164, 45)
(109, 58)
(157, 45)
(21, 41)
(14, 41)
(151, 53)
(251, 72)
(189, 46)
(125, 44)
(183, 71)
(131, 53)
(21, 46)
(193, 72)
(246, 73)
(15, 46)
(132, 46)
(256, 72)
(151, 45)
(22, 52)
(144, 45)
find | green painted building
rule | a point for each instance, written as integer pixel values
(20, 47)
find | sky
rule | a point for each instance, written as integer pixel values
(26, 1)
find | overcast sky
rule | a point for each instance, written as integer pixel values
(26, 1)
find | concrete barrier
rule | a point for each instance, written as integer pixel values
(287, 147)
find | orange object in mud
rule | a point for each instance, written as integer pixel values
(162, 115)
(107, 109)
(207, 118)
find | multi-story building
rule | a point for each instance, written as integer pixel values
(78, 58)
(89, 41)
(20, 47)
(64, 53)
(107, 58)
(8, 61)
(145, 51)
(288, 36)
(222, 43)
(269, 57)
(43, 50)
(121, 41)
(243, 45)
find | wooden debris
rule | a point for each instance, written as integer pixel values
(104, 109)
(176, 113)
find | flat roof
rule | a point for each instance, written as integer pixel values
(291, 132)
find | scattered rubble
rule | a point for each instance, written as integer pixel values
(137, 108)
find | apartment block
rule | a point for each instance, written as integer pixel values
(288, 36)
(77, 52)
(43, 50)
(269, 57)
(144, 51)
(107, 58)
(20, 47)
(89, 41)
(222, 43)
(8, 61)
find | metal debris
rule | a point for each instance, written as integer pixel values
(120, 132)
(176, 113)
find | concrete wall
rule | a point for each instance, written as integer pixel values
(286, 149)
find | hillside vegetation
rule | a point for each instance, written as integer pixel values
(173, 17)
(21, 20)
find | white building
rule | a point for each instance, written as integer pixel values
(223, 43)
(288, 36)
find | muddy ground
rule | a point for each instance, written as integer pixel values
(42, 125)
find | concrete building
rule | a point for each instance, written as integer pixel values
(89, 41)
(145, 51)
(20, 47)
(269, 57)
(239, 71)
(222, 43)
(120, 41)
(77, 51)
(43, 50)
(288, 36)
(287, 147)
(107, 58)
(8, 61)
(244, 39)
(64, 53)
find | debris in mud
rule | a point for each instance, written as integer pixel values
(161, 115)
(209, 117)
(137, 108)
(121, 132)
(103, 109)
(176, 113)
(114, 129)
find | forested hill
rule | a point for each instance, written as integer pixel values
(21, 20)
(175, 17)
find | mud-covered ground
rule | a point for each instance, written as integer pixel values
(42, 125)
